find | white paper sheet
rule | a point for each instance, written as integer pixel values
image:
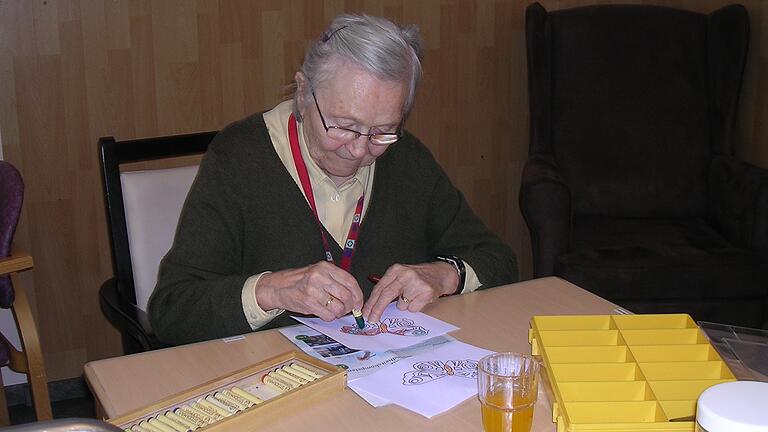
(428, 383)
(357, 363)
(397, 329)
(372, 399)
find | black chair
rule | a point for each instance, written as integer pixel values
(143, 207)
(631, 189)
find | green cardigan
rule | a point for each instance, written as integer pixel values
(245, 215)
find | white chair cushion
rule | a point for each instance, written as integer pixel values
(153, 200)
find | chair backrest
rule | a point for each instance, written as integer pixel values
(11, 198)
(152, 200)
(143, 206)
(632, 102)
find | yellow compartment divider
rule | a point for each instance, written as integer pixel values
(625, 373)
(661, 371)
(565, 372)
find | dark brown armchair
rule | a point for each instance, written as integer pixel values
(631, 189)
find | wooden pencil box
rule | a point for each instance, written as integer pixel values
(253, 396)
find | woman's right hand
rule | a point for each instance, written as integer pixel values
(321, 289)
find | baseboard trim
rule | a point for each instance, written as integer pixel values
(71, 388)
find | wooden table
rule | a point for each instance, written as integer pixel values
(496, 319)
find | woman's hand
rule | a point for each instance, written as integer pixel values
(414, 286)
(320, 289)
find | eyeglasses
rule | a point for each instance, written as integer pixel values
(344, 134)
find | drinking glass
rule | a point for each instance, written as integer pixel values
(507, 385)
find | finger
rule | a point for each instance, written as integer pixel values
(340, 284)
(336, 306)
(403, 303)
(410, 288)
(412, 302)
(322, 311)
(340, 294)
(417, 292)
(345, 288)
(326, 281)
(417, 304)
(388, 293)
(368, 306)
(373, 298)
(377, 309)
(373, 301)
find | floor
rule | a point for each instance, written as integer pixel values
(78, 407)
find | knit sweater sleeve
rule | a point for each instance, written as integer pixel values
(200, 280)
(454, 229)
(458, 231)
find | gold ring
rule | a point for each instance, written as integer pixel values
(404, 299)
(329, 301)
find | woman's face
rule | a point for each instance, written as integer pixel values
(352, 99)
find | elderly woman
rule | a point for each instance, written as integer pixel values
(293, 209)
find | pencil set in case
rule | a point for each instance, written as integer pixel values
(247, 398)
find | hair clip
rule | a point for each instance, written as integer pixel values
(327, 36)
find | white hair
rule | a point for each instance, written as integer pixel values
(376, 44)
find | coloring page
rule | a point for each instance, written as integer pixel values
(397, 329)
(428, 383)
(357, 363)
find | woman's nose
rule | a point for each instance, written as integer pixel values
(358, 147)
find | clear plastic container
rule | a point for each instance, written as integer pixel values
(734, 406)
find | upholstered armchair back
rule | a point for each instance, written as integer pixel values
(11, 198)
(631, 103)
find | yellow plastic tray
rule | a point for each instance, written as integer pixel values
(623, 373)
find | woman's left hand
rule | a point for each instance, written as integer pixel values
(414, 286)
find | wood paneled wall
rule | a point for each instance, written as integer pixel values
(72, 71)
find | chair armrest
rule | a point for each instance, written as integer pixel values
(739, 201)
(545, 202)
(17, 261)
(128, 318)
(29, 360)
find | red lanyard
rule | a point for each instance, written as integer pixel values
(301, 168)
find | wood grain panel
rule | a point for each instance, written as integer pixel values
(72, 71)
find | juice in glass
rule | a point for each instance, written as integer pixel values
(507, 385)
(498, 418)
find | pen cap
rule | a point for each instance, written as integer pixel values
(734, 406)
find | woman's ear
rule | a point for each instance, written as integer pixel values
(301, 85)
(301, 91)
